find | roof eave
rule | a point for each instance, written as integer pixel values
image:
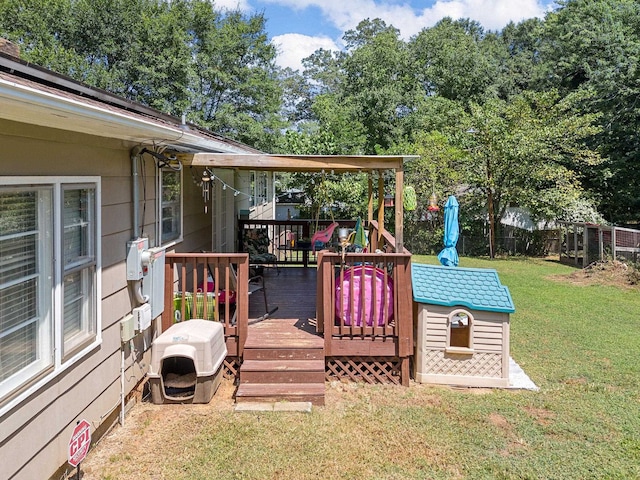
(33, 106)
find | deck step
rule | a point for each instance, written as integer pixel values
(283, 354)
(290, 392)
(282, 361)
(283, 340)
(282, 371)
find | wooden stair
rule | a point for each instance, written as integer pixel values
(283, 360)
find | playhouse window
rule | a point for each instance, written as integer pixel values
(460, 332)
(49, 283)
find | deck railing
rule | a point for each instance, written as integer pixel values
(364, 303)
(285, 235)
(213, 286)
(382, 240)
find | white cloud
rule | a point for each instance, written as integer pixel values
(405, 15)
(492, 14)
(293, 47)
(242, 5)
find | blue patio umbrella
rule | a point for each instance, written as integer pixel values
(449, 255)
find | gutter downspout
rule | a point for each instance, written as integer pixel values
(135, 188)
(135, 194)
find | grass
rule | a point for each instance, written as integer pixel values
(578, 343)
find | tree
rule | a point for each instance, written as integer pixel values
(159, 70)
(594, 45)
(183, 57)
(515, 56)
(325, 113)
(378, 84)
(527, 152)
(450, 62)
(363, 95)
(236, 91)
(41, 27)
(439, 170)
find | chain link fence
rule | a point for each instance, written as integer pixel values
(428, 240)
(535, 244)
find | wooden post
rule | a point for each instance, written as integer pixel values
(399, 206)
(320, 307)
(370, 199)
(242, 302)
(380, 205)
(404, 305)
(585, 247)
(613, 243)
(405, 372)
(327, 306)
(167, 317)
(600, 243)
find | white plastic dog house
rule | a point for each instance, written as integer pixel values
(186, 362)
(462, 328)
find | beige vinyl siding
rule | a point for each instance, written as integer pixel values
(35, 432)
(488, 331)
(196, 226)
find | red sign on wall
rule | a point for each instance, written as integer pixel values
(79, 443)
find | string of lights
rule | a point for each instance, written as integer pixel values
(207, 177)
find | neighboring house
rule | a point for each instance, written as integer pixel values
(81, 175)
(288, 204)
(524, 235)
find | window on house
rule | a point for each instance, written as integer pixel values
(258, 188)
(460, 331)
(79, 267)
(170, 205)
(48, 278)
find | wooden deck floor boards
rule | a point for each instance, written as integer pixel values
(293, 291)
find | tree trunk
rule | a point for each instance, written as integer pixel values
(492, 236)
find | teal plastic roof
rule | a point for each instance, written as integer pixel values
(474, 288)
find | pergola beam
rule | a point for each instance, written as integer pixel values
(294, 163)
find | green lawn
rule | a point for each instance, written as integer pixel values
(579, 344)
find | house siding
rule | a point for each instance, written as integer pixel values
(35, 433)
(487, 366)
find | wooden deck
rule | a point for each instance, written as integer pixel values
(311, 305)
(293, 291)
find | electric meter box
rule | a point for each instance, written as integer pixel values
(153, 282)
(135, 250)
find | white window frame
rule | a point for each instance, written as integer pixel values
(160, 204)
(462, 350)
(30, 379)
(84, 266)
(259, 188)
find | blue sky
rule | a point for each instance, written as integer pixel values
(299, 27)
